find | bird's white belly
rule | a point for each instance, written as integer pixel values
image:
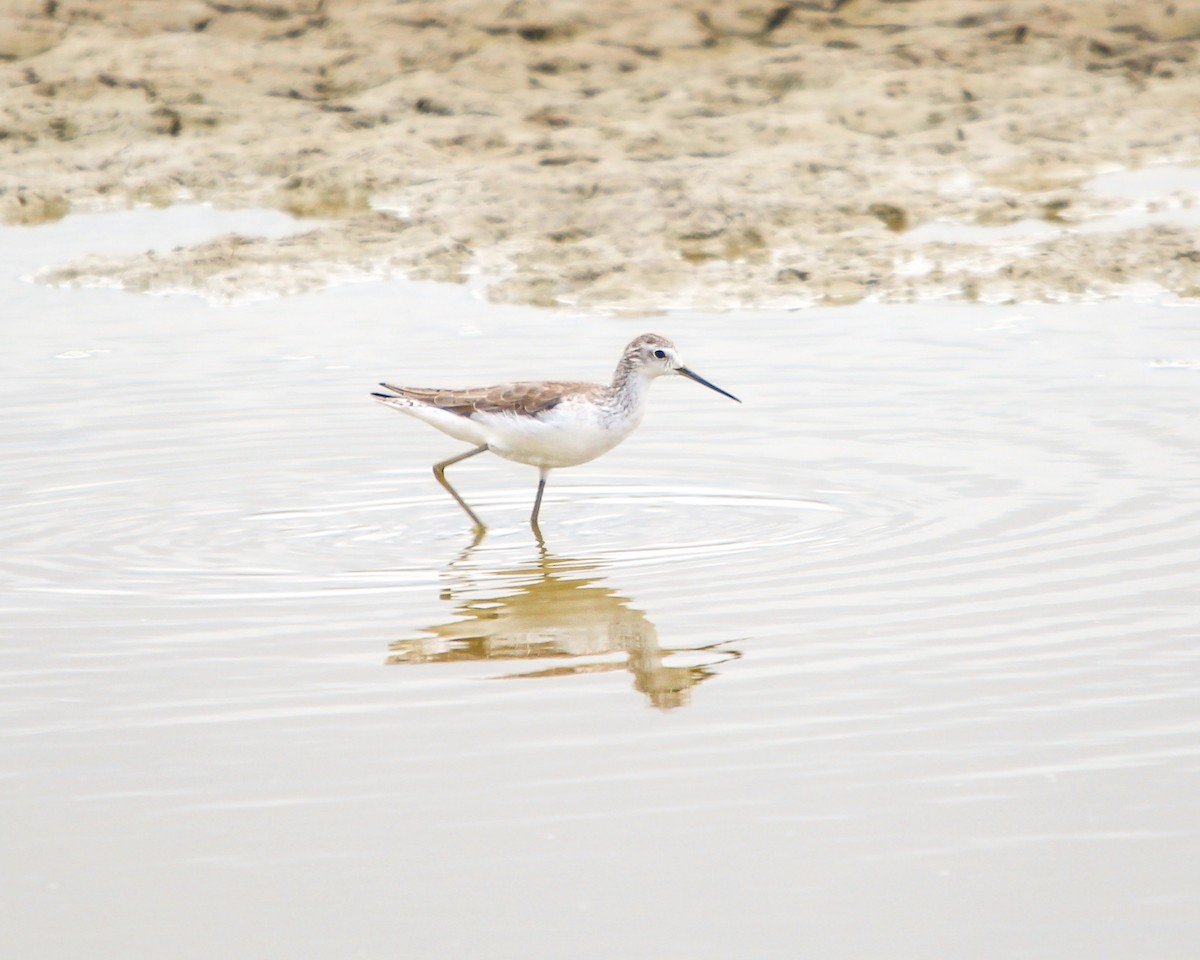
(557, 438)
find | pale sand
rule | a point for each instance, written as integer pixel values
(608, 154)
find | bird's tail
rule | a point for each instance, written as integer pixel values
(394, 399)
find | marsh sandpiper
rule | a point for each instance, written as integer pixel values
(544, 423)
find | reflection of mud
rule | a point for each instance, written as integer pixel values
(556, 609)
(610, 152)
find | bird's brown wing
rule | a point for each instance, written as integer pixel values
(521, 399)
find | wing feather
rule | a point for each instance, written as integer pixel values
(522, 399)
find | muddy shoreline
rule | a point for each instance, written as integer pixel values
(613, 156)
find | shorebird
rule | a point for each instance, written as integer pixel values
(545, 423)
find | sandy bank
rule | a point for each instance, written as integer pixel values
(615, 155)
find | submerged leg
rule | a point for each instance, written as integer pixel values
(537, 506)
(439, 471)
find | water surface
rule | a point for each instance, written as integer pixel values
(897, 659)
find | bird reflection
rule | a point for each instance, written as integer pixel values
(556, 609)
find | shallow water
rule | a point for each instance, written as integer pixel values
(897, 659)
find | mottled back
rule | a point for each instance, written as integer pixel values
(520, 399)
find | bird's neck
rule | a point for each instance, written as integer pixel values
(629, 389)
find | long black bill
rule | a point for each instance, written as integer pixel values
(684, 371)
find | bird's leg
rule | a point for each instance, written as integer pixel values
(537, 505)
(439, 471)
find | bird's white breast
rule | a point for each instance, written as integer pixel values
(570, 433)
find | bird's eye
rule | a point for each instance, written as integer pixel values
(660, 354)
